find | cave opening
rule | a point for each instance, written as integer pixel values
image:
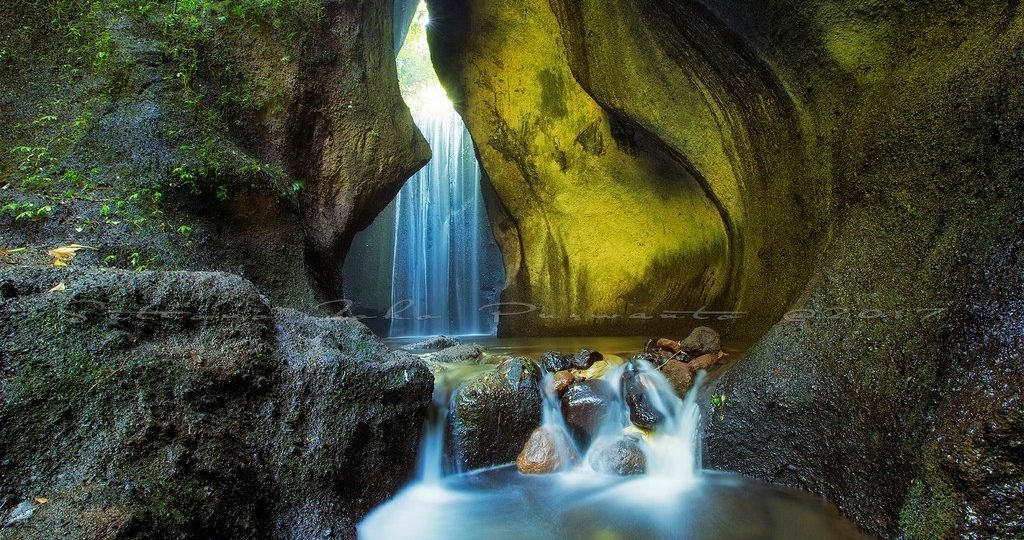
(428, 264)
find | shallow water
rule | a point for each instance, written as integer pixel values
(673, 498)
(501, 503)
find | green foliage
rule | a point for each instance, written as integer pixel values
(26, 211)
(185, 231)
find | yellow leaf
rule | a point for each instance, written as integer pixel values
(42, 500)
(58, 287)
(63, 254)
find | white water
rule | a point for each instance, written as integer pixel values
(429, 262)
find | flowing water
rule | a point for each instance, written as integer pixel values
(673, 498)
(429, 262)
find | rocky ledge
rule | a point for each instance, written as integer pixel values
(183, 405)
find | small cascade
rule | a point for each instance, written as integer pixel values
(552, 420)
(430, 468)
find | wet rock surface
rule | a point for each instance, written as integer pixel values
(642, 412)
(548, 450)
(553, 361)
(562, 381)
(493, 415)
(129, 393)
(584, 406)
(623, 456)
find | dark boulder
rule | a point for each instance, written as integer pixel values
(586, 358)
(635, 388)
(553, 362)
(702, 340)
(585, 405)
(181, 404)
(493, 414)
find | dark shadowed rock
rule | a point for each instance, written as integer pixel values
(187, 390)
(493, 414)
(702, 340)
(552, 361)
(622, 456)
(635, 387)
(548, 450)
(585, 358)
(584, 406)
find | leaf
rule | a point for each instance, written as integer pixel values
(64, 254)
(59, 287)
(42, 500)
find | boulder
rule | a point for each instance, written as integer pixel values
(493, 414)
(456, 354)
(622, 456)
(585, 406)
(548, 450)
(585, 358)
(188, 390)
(553, 362)
(642, 411)
(702, 340)
(706, 361)
(435, 343)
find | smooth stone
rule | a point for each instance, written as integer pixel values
(434, 344)
(548, 450)
(623, 456)
(642, 412)
(680, 375)
(562, 380)
(585, 405)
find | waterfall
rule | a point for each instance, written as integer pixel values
(435, 240)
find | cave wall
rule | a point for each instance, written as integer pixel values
(594, 215)
(864, 163)
(254, 137)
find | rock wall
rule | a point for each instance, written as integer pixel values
(255, 137)
(863, 163)
(181, 404)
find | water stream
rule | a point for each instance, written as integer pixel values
(673, 498)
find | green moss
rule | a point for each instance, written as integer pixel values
(929, 512)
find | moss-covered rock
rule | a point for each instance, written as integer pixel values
(862, 162)
(181, 404)
(255, 137)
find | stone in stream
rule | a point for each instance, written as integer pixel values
(562, 381)
(584, 406)
(622, 456)
(493, 414)
(457, 354)
(585, 358)
(554, 362)
(705, 361)
(702, 340)
(680, 375)
(548, 450)
(642, 412)
(435, 343)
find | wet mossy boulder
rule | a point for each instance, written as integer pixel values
(493, 414)
(177, 404)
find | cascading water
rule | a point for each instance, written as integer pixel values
(437, 284)
(673, 498)
(428, 263)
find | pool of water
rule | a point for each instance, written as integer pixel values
(502, 503)
(672, 498)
